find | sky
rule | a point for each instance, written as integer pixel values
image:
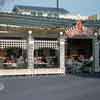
(82, 7)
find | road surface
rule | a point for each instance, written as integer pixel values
(53, 87)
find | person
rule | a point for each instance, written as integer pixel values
(81, 58)
(20, 61)
(91, 59)
(78, 61)
(69, 62)
(44, 59)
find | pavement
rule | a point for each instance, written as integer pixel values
(50, 87)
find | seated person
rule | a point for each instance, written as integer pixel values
(91, 58)
(81, 58)
(44, 59)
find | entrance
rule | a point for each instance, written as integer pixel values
(79, 55)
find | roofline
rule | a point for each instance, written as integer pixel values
(41, 7)
(41, 21)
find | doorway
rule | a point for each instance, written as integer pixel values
(79, 55)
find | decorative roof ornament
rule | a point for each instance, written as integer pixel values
(78, 30)
(80, 26)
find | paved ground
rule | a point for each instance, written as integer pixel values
(49, 88)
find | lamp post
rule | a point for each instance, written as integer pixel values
(62, 51)
(57, 8)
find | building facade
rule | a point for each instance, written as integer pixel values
(38, 45)
(41, 11)
(48, 12)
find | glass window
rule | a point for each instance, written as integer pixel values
(34, 13)
(49, 14)
(52, 52)
(55, 15)
(52, 15)
(40, 14)
(13, 58)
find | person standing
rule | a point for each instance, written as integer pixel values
(69, 62)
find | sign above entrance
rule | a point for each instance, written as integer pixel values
(80, 26)
(78, 30)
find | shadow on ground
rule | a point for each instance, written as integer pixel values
(87, 75)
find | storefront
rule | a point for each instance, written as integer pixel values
(13, 53)
(35, 45)
(81, 49)
(27, 54)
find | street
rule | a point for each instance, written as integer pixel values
(49, 88)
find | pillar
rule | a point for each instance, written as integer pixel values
(96, 55)
(30, 53)
(62, 51)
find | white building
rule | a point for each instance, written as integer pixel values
(47, 12)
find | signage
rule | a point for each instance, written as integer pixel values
(79, 30)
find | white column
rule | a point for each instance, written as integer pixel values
(96, 56)
(30, 50)
(62, 51)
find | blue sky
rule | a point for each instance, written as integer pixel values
(84, 7)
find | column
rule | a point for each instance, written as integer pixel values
(96, 55)
(62, 51)
(30, 50)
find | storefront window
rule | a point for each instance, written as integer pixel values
(13, 58)
(45, 58)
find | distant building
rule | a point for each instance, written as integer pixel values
(47, 12)
(94, 17)
(76, 17)
(40, 11)
(98, 16)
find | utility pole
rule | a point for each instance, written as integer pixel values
(57, 2)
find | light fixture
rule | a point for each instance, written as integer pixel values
(61, 33)
(96, 34)
(29, 32)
